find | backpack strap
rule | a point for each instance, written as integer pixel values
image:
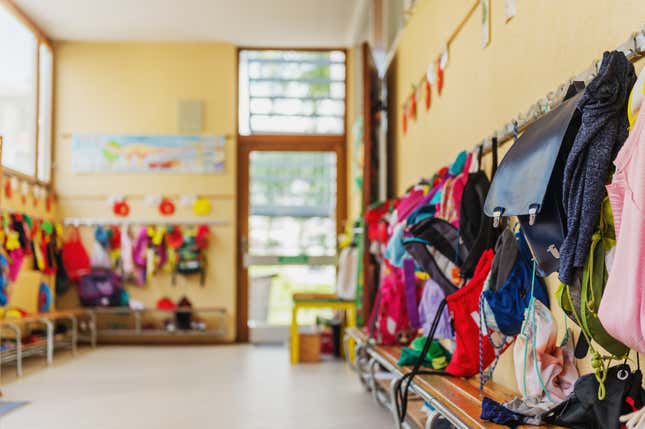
(494, 151)
(401, 394)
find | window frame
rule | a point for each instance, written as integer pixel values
(41, 39)
(341, 136)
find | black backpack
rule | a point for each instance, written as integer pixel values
(476, 229)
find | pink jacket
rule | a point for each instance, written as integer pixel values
(622, 308)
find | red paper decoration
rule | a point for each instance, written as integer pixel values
(439, 77)
(413, 104)
(7, 189)
(427, 92)
(48, 203)
(404, 122)
(121, 208)
(166, 207)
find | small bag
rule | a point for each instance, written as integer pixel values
(507, 294)
(542, 369)
(411, 293)
(583, 410)
(463, 306)
(100, 288)
(4, 280)
(582, 304)
(45, 298)
(507, 291)
(437, 248)
(347, 272)
(62, 279)
(75, 257)
(431, 298)
(100, 258)
(476, 227)
(390, 322)
(190, 261)
(184, 314)
(528, 182)
(472, 216)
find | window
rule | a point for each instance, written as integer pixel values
(299, 92)
(26, 89)
(17, 94)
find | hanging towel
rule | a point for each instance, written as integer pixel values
(347, 272)
(604, 127)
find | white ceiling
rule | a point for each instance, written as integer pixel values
(295, 23)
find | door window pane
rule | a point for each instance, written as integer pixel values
(17, 94)
(292, 235)
(292, 203)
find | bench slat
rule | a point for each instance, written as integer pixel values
(460, 396)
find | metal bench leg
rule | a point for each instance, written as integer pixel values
(16, 330)
(50, 341)
(381, 398)
(371, 377)
(393, 388)
(362, 367)
(92, 326)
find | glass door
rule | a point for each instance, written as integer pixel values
(291, 242)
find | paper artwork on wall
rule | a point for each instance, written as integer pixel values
(485, 22)
(106, 153)
(510, 9)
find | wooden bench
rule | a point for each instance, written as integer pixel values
(454, 398)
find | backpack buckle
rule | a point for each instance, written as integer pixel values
(497, 214)
(533, 208)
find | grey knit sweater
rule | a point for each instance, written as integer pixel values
(603, 130)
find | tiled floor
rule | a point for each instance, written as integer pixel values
(191, 387)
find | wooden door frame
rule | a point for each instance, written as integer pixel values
(370, 80)
(280, 142)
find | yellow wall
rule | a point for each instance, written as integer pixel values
(134, 88)
(545, 44)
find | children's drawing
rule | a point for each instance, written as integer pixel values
(104, 153)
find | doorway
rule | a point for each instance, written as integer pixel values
(291, 183)
(290, 213)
